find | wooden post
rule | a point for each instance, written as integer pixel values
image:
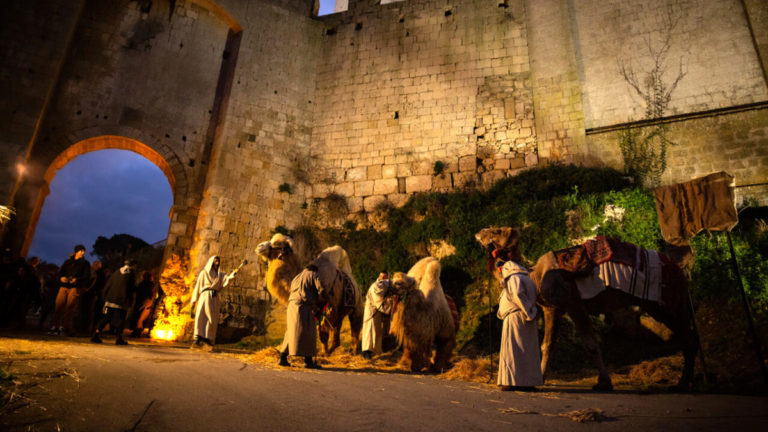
(755, 338)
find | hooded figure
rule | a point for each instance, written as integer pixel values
(206, 294)
(519, 356)
(119, 294)
(307, 294)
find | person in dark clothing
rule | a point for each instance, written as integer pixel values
(74, 279)
(119, 294)
(145, 299)
(24, 289)
(91, 301)
(48, 291)
(8, 272)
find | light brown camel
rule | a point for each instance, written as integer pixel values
(422, 317)
(557, 294)
(345, 299)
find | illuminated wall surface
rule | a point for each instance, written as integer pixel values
(259, 111)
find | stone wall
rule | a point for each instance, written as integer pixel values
(406, 85)
(708, 41)
(147, 75)
(34, 38)
(264, 141)
(736, 143)
(265, 115)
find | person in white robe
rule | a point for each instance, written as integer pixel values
(205, 302)
(519, 356)
(377, 306)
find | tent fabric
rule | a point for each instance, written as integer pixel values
(705, 203)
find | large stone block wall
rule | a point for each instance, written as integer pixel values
(33, 43)
(736, 143)
(408, 84)
(557, 85)
(709, 41)
(265, 138)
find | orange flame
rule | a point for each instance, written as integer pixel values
(176, 284)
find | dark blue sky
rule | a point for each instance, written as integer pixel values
(103, 193)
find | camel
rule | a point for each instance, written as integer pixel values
(558, 294)
(344, 295)
(422, 317)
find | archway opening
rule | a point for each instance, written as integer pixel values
(104, 197)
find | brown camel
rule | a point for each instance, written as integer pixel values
(344, 295)
(422, 317)
(558, 294)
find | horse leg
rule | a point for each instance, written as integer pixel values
(580, 318)
(552, 318)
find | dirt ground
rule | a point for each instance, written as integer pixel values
(70, 384)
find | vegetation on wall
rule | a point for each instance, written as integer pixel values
(644, 149)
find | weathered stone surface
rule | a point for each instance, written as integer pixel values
(418, 184)
(385, 186)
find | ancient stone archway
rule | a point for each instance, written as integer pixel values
(103, 142)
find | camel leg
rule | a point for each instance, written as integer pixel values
(580, 318)
(443, 355)
(683, 332)
(552, 318)
(336, 338)
(355, 326)
(406, 360)
(323, 333)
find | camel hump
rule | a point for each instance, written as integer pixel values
(338, 256)
(426, 272)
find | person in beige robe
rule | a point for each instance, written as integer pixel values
(205, 302)
(376, 307)
(307, 296)
(519, 356)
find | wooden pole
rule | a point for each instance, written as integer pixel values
(490, 332)
(755, 338)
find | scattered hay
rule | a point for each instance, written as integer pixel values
(664, 370)
(339, 360)
(470, 369)
(517, 411)
(585, 415)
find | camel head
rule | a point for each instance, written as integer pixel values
(499, 238)
(279, 247)
(402, 283)
(501, 245)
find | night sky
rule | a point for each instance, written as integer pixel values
(102, 193)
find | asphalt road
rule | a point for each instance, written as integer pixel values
(75, 386)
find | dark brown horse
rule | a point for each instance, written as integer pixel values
(558, 295)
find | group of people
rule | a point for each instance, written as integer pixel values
(20, 289)
(91, 290)
(519, 358)
(83, 298)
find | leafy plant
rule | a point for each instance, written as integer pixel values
(285, 188)
(438, 168)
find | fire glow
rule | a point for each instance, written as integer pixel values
(176, 284)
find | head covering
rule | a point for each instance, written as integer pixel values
(205, 278)
(79, 248)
